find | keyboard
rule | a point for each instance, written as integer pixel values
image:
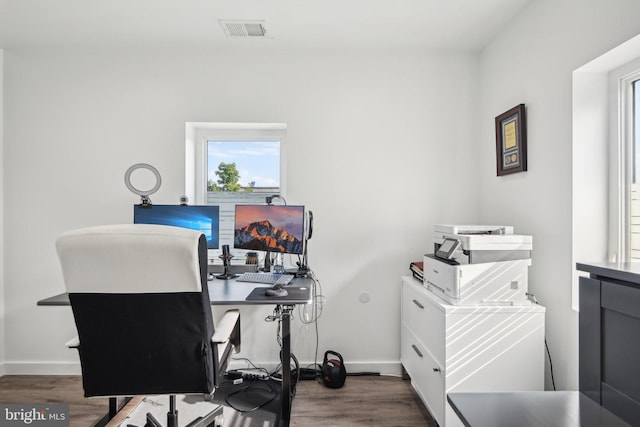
(267, 278)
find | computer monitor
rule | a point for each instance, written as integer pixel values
(205, 219)
(269, 228)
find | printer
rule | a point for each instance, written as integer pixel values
(479, 265)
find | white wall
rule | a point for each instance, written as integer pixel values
(2, 296)
(531, 62)
(372, 138)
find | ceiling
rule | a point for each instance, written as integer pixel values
(428, 24)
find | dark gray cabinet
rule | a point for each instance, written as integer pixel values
(609, 337)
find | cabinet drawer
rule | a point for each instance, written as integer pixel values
(426, 374)
(413, 305)
(424, 319)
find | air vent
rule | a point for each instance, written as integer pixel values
(243, 28)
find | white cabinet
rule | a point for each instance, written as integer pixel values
(446, 348)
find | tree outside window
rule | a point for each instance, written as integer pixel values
(243, 166)
(228, 179)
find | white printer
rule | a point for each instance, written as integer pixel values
(479, 264)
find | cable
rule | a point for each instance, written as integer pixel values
(553, 381)
(250, 388)
(316, 311)
(316, 366)
(317, 302)
(306, 317)
(295, 372)
(279, 335)
(295, 375)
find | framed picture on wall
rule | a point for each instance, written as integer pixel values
(511, 141)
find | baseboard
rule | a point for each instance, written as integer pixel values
(51, 368)
(73, 368)
(383, 368)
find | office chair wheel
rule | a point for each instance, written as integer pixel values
(218, 422)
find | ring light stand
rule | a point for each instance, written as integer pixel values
(145, 201)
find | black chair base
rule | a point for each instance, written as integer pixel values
(208, 420)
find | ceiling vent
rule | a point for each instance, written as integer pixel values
(235, 29)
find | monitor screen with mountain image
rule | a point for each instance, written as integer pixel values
(269, 228)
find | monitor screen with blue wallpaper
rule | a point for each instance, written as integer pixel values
(200, 218)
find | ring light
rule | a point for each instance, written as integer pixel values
(144, 194)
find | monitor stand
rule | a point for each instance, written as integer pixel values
(267, 262)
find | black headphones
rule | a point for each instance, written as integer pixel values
(310, 225)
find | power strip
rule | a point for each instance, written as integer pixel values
(252, 374)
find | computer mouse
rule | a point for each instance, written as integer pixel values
(276, 292)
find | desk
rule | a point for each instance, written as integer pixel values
(231, 292)
(531, 409)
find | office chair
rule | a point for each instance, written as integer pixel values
(141, 306)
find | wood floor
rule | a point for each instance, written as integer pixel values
(54, 389)
(363, 401)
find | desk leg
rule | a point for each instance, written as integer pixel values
(113, 411)
(286, 366)
(113, 407)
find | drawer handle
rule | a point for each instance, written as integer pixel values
(416, 350)
(436, 369)
(416, 302)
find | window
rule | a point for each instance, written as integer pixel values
(634, 220)
(624, 236)
(600, 164)
(233, 163)
(243, 166)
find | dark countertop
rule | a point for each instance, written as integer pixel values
(627, 271)
(531, 409)
(228, 292)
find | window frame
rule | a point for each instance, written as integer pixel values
(197, 136)
(621, 159)
(594, 136)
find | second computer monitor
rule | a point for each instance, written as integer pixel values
(269, 228)
(200, 218)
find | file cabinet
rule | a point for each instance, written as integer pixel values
(461, 348)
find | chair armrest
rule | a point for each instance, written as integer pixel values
(225, 328)
(73, 343)
(225, 340)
